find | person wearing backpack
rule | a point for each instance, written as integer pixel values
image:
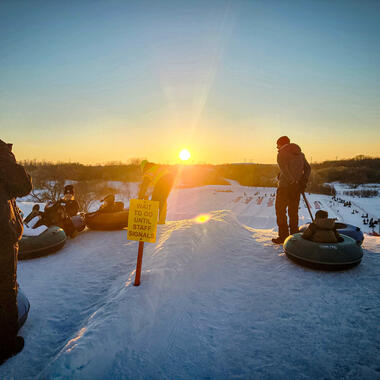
(161, 179)
(14, 182)
(292, 181)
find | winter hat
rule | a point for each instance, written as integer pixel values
(283, 140)
(321, 214)
(68, 189)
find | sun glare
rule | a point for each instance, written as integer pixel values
(184, 155)
(202, 218)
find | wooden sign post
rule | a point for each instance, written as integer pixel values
(142, 226)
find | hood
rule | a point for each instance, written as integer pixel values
(6, 152)
(291, 148)
(5, 146)
(325, 223)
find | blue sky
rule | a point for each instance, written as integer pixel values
(98, 81)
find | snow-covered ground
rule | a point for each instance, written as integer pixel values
(217, 300)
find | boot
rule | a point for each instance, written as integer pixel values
(279, 240)
(283, 233)
(12, 349)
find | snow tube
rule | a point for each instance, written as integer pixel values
(107, 221)
(78, 222)
(345, 229)
(327, 256)
(49, 241)
(23, 306)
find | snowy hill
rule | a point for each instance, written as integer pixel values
(217, 300)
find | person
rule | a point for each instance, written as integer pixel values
(59, 213)
(322, 230)
(108, 204)
(14, 182)
(71, 205)
(162, 180)
(292, 181)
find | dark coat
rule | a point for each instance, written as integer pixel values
(14, 182)
(323, 230)
(293, 166)
(71, 207)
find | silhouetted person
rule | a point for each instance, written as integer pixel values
(292, 180)
(14, 182)
(108, 204)
(71, 205)
(162, 181)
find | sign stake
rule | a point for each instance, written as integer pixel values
(139, 263)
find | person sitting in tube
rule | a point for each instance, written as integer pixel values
(322, 230)
(108, 204)
(69, 202)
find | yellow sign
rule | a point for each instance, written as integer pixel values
(142, 220)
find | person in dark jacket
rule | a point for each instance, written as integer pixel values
(58, 213)
(70, 203)
(292, 181)
(323, 229)
(14, 182)
(162, 180)
(108, 205)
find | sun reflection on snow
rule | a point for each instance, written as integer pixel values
(202, 218)
(72, 342)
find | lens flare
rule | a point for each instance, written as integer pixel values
(202, 218)
(184, 155)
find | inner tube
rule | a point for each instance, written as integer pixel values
(107, 221)
(23, 307)
(346, 229)
(49, 241)
(325, 256)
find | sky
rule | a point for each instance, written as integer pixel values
(101, 81)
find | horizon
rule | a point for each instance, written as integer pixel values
(137, 160)
(109, 81)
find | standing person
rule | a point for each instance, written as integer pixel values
(162, 180)
(292, 180)
(14, 182)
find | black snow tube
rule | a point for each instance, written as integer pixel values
(23, 306)
(346, 229)
(49, 241)
(325, 256)
(108, 220)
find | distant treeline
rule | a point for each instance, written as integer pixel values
(358, 170)
(266, 176)
(78, 172)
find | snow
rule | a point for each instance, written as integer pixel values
(217, 300)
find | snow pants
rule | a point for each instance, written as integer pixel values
(8, 293)
(287, 198)
(160, 193)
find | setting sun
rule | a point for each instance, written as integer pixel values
(184, 155)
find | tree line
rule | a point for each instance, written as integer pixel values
(358, 170)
